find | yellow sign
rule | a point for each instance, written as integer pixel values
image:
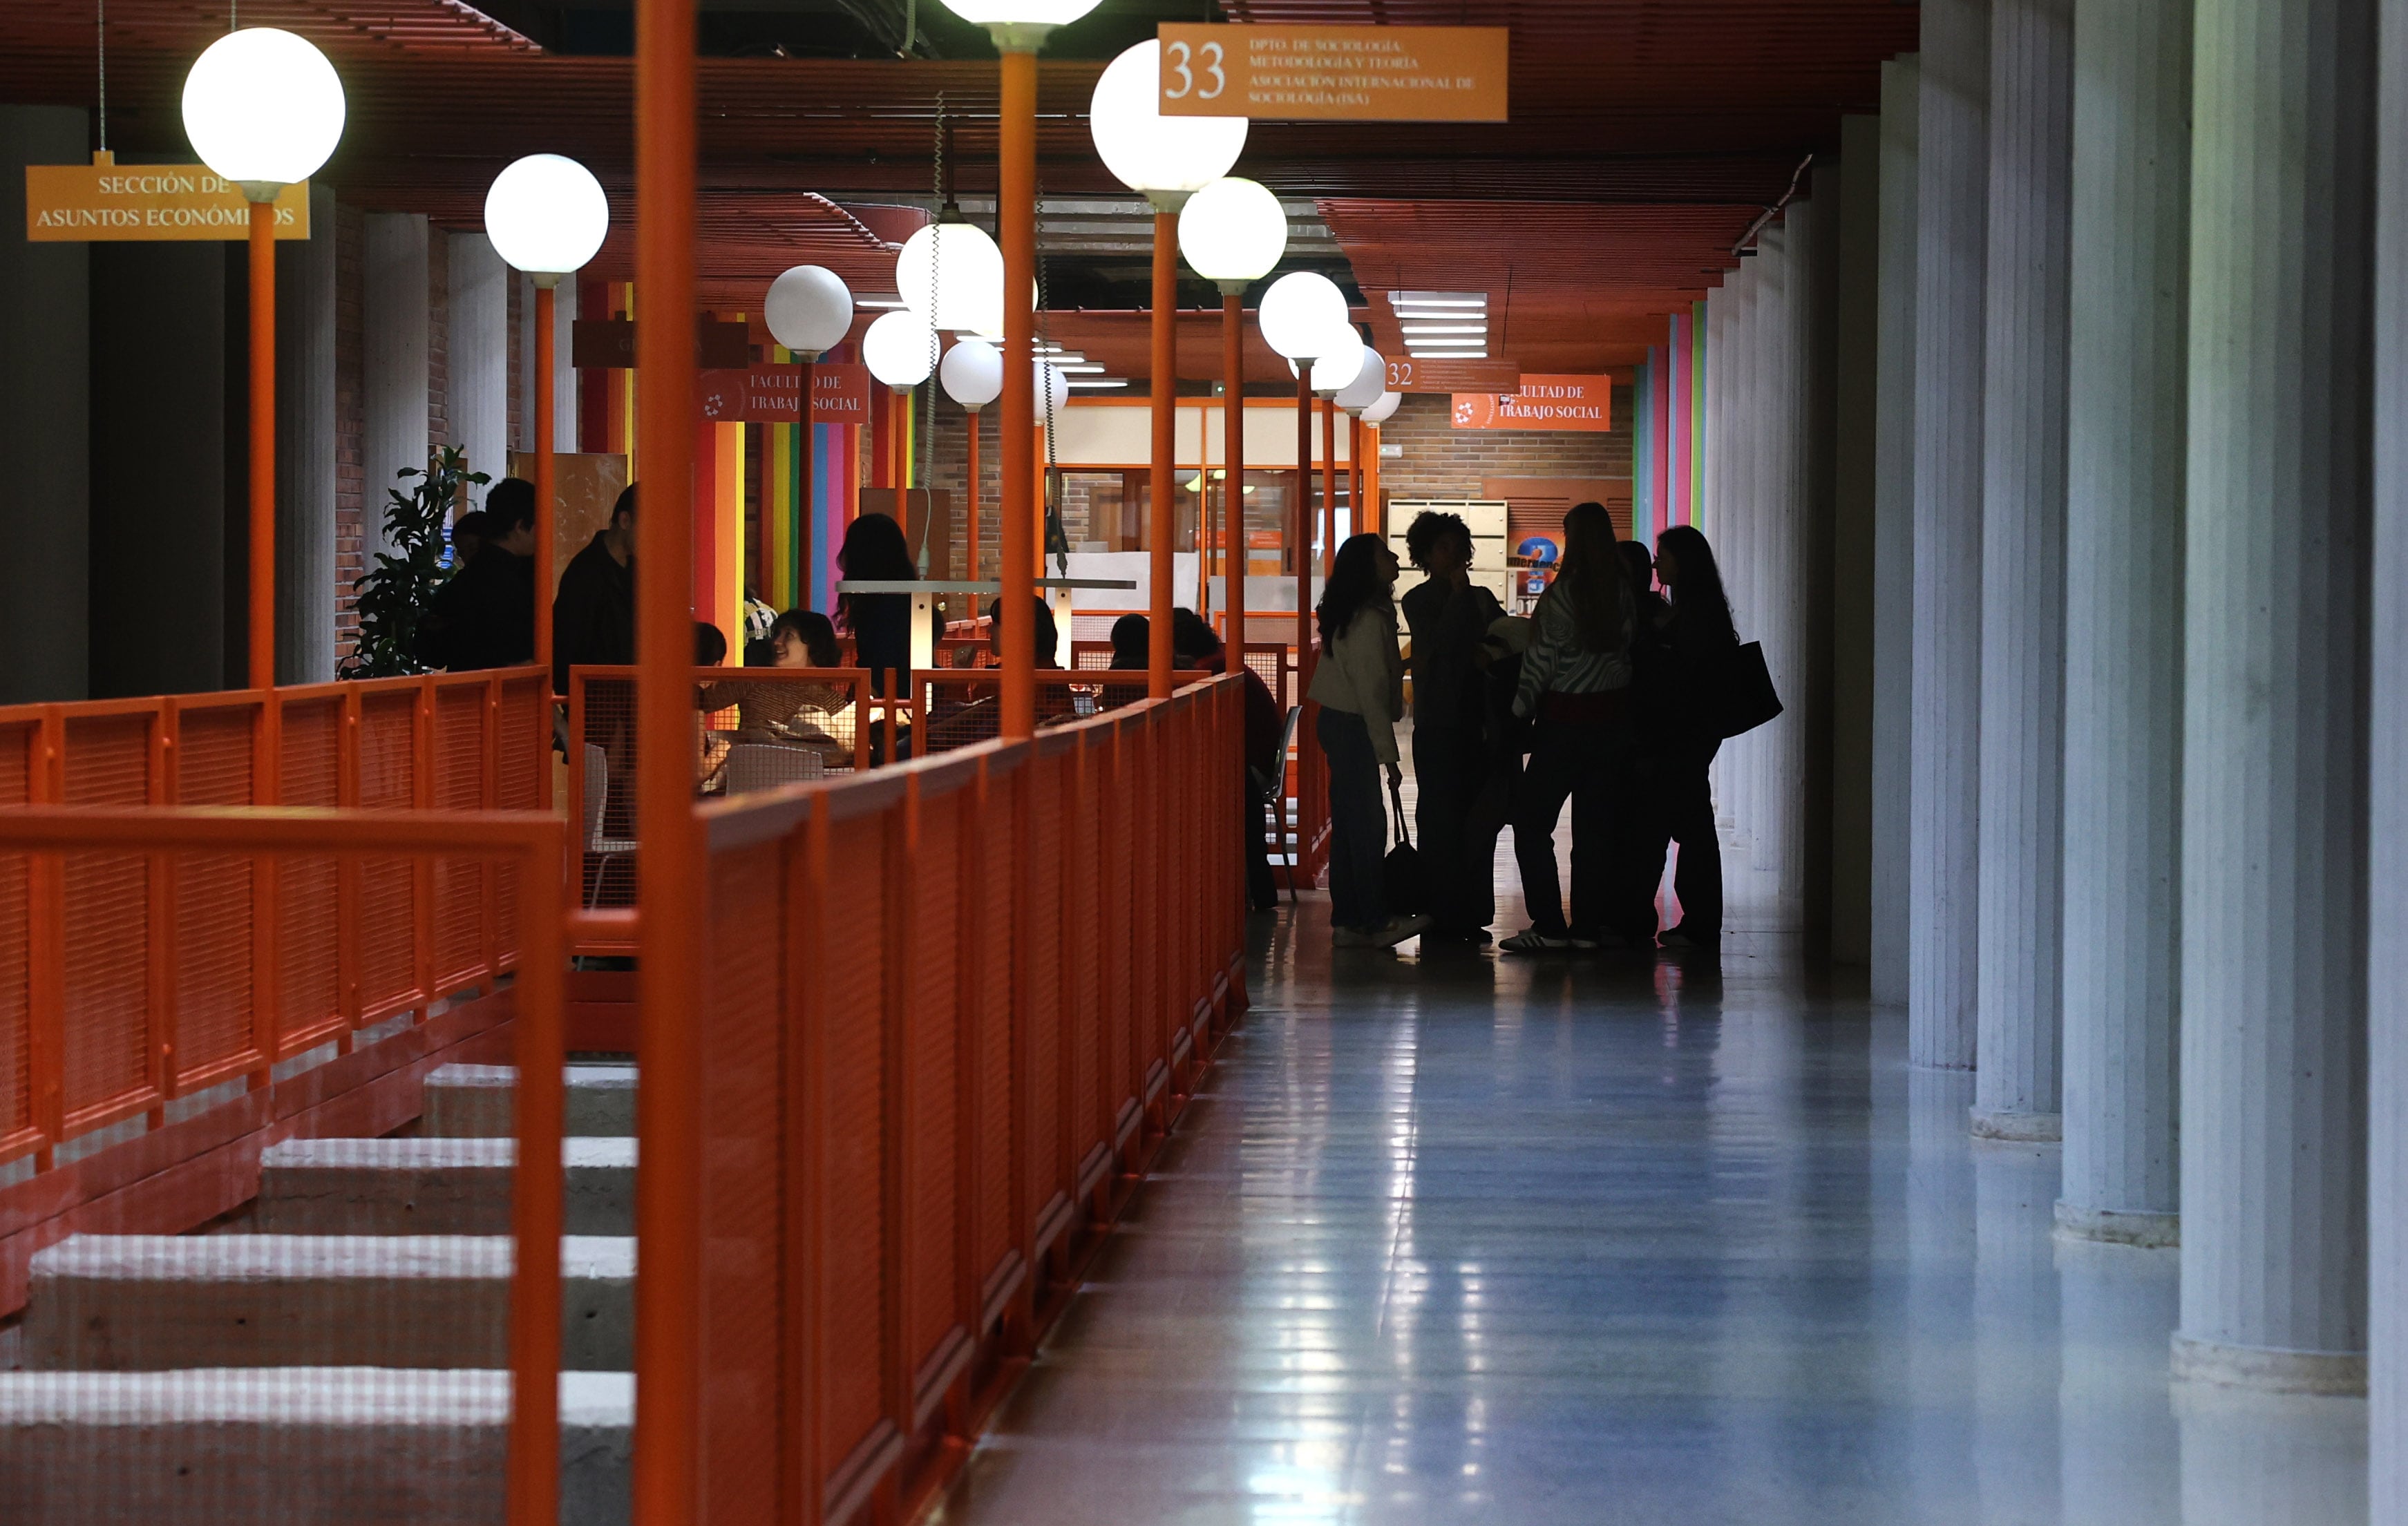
(1335, 72)
(132, 203)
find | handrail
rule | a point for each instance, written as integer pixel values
(227, 966)
(532, 841)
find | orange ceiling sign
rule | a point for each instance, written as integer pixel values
(1334, 73)
(103, 204)
(1567, 403)
(1410, 375)
(772, 394)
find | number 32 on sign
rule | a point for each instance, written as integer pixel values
(1335, 72)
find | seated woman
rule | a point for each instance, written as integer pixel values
(786, 713)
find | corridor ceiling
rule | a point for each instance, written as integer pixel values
(1647, 135)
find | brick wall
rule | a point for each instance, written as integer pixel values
(1442, 462)
(350, 486)
(514, 428)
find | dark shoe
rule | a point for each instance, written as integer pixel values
(1681, 940)
(1532, 941)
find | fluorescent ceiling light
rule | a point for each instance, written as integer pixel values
(1099, 381)
(1412, 330)
(1438, 299)
(880, 304)
(1089, 368)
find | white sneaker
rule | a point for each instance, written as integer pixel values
(1399, 930)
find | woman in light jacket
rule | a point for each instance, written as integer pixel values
(1576, 685)
(1359, 684)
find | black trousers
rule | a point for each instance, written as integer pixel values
(1358, 823)
(1261, 890)
(1680, 809)
(1586, 763)
(1456, 819)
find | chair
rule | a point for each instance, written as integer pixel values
(598, 799)
(1270, 794)
(761, 766)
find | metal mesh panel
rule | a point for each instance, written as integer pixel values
(523, 783)
(991, 989)
(852, 1035)
(213, 956)
(309, 994)
(104, 916)
(930, 1102)
(388, 896)
(459, 785)
(17, 742)
(1122, 1079)
(602, 786)
(1041, 1019)
(1082, 978)
(965, 710)
(741, 1173)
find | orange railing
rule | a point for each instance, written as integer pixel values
(127, 981)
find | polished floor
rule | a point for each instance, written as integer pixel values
(1476, 1239)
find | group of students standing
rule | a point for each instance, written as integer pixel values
(1599, 698)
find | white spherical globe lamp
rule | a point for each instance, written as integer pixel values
(546, 215)
(1232, 231)
(1300, 313)
(262, 108)
(1052, 392)
(1339, 362)
(1380, 412)
(1168, 158)
(900, 349)
(951, 274)
(1369, 385)
(809, 310)
(972, 374)
(1020, 12)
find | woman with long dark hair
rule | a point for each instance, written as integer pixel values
(874, 550)
(1680, 795)
(1576, 686)
(1359, 684)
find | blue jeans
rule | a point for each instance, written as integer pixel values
(1358, 823)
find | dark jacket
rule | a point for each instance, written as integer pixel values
(484, 616)
(594, 617)
(1448, 624)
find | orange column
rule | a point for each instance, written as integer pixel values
(970, 530)
(1328, 485)
(544, 488)
(1161, 524)
(668, 1230)
(262, 673)
(1016, 220)
(1362, 518)
(1233, 450)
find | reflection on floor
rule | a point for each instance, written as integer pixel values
(1472, 1239)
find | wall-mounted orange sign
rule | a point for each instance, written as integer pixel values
(1334, 73)
(772, 394)
(1568, 403)
(1416, 375)
(100, 204)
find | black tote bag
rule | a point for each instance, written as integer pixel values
(1741, 693)
(1400, 881)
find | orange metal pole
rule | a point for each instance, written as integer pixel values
(536, 1206)
(1362, 521)
(1016, 219)
(1304, 522)
(262, 673)
(806, 495)
(1161, 522)
(971, 534)
(544, 488)
(1233, 448)
(1328, 485)
(668, 1437)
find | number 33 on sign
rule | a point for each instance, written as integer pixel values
(1335, 72)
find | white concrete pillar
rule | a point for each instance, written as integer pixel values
(2127, 379)
(2020, 975)
(2388, 807)
(393, 285)
(1893, 585)
(479, 353)
(1852, 550)
(1952, 213)
(304, 449)
(45, 424)
(2273, 1000)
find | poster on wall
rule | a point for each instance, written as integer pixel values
(772, 394)
(113, 203)
(1309, 73)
